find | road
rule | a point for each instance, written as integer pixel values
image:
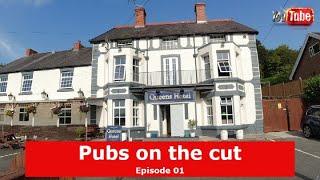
(307, 153)
(6, 155)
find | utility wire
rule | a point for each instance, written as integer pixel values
(272, 26)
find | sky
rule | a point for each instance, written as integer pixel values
(53, 25)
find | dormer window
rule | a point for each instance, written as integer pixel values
(124, 43)
(169, 43)
(217, 38)
(314, 49)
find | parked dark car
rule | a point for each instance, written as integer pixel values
(311, 122)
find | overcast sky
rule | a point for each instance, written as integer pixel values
(47, 25)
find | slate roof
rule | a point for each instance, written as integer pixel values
(49, 60)
(173, 29)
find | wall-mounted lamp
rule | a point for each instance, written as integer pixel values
(44, 95)
(11, 97)
(80, 93)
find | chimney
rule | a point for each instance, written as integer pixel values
(30, 52)
(140, 14)
(77, 46)
(200, 10)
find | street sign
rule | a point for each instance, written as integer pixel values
(113, 133)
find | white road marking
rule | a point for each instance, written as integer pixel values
(9, 155)
(307, 153)
(299, 150)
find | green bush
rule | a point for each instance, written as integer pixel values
(80, 131)
(312, 90)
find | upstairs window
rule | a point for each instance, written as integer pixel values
(226, 110)
(135, 70)
(26, 82)
(218, 38)
(120, 68)
(314, 49)
(125, 43)
(224, 67)
(169, 43)
(207, 67)
(3, 84)
(66, 79)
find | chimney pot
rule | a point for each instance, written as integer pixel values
(140, 15)
(200, 10)
(30, 52)
(77, 46)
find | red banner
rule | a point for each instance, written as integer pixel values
(159, 159)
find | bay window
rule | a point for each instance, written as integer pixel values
(119, 112)
(135, 115)
(209, 111)
(226, 110)
(207, 67)
(224, 67)
(120, 68)
(135, 70)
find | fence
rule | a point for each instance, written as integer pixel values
(290, 89)
(16, 166)
(282, 114)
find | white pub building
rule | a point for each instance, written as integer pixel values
(166, 79)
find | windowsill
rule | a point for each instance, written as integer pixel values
(3, 94)
(25, 93)
(65, 90)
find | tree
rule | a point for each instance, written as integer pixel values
(276, 64)
(312, 90)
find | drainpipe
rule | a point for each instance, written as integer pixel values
(147, 60)
(195, 65)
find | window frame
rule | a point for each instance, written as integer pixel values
(63, 114)
(26, 84)
(227, 104)
(117, 106)
(3, 83)
(209, 115)
(311, 49)
(66, 79)
(121, 65)
(206, 64)
(23, 115)
(124, 43)
(224, 63)
(221, 38)
(2, 114)
(135, 113)
(93, 114)
(135, 70)
(170, 43)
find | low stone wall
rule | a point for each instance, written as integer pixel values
(42, 132)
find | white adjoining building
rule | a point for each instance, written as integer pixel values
(154, 78)
(46, 80)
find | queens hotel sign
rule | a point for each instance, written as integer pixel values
(169, 96)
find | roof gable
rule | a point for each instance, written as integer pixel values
(315, 35)
(42, 61)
